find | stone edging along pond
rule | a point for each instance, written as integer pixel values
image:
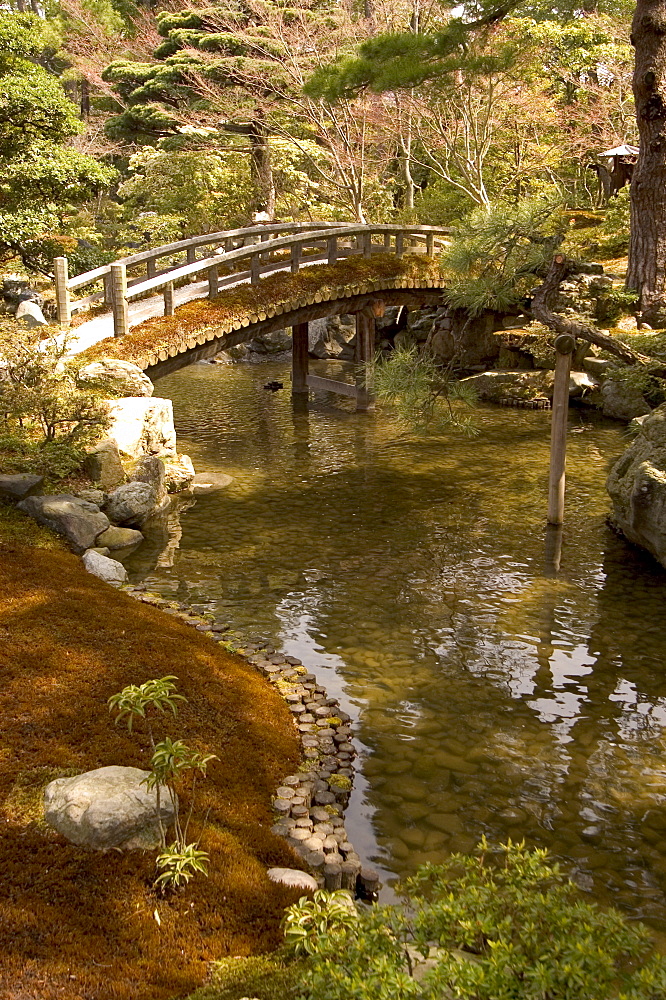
(309, 805)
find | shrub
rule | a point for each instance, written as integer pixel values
(46, 419)
(504, 925)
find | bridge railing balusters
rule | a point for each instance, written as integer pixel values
(213, 279)
(255, 269)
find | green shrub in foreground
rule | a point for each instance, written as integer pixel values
(505, 925)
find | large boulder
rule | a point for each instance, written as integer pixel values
(109, 570)
(78, 520)
(115, 538)
(103, 466)
(142, 426)
(622, 401)
(131, 504)
(150, 469)
(19, 486)
(120, 378)
(270, 343)
(637, 487)
(108, 808)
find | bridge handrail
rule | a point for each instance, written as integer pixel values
(117, 291)
(79, 280)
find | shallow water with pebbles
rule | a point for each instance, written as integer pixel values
(492, 695)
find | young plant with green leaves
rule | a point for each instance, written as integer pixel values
(170, 762)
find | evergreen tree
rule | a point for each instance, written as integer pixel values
(41, 174)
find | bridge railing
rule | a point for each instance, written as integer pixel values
(256, 246)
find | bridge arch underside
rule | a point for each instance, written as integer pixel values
(411, 298)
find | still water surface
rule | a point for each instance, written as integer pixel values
(490, 694)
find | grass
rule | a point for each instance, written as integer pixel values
(235, 304)
(84, 925)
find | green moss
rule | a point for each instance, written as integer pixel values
(262, 977)
(24, 805)
(340, 781)
(16, 528)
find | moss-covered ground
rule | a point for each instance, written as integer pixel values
(84, 925)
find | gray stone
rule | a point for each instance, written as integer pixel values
(19, 486)
(30, 315)
(597, 366)
(92, 495)
(79, 521)
(142, 426)
(100, 550)
(207, 482)
(178, 473)
(150, 469)
(119, 538)
(276, 342)
(110, 807)
(131, 504)
(580, 384)
(621, 401)
(494, 386)
(637, 487)
(293, 878)
(103, 466)
(109, 570)
(121, 378)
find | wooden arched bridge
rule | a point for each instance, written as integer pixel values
(211, 263)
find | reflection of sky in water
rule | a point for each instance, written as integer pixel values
(491, 695)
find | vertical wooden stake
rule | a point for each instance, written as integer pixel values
(151, 267)
(299, 359)
(169, 307)
(63, 303)
(564, 346)
(191, 253)
(365, 352)
(213, 280)
(119, 300)
(108, 290)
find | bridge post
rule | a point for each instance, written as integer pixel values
(299, 359)
(169, 307)
(367, 244)
(399, 244)
(296, 251)
(151, 267)
(63, 303)
(430, 244)
(255, 269)
(119, 300)
(191, 254)
(108, 290)
(332, 249)
(365, 352)
(213, 279)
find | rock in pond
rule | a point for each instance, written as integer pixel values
(178, 473)
(119, 538)
(131, 504)
(18, 487)
(293, 878)
(150, 469)
(109, 570)
(142, 426)
(622, 402)
(78, 520)
(110, 807)
(206, 482)
(637, 487)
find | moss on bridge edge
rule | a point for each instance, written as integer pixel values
(233, 305)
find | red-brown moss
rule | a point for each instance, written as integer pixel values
(81, 925)
(233, 304)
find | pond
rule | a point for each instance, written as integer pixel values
(491, 694)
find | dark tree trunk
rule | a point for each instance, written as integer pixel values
(262, 170)
(85, 98)
(647, 250)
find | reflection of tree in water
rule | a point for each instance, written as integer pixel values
(495, 697)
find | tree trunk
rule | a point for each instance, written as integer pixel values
(262, 170)
(85, 98)
(647, 250)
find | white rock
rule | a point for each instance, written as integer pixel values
(142, 426)
(293, 878)
(30, 315)
(113, 375)
(179, 473)
(109, 570)
(108, 807)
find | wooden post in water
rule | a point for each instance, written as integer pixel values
(299, 359)
(365, 352)
(564, 347)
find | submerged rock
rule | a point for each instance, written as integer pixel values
(637, 487)
(110, 807)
